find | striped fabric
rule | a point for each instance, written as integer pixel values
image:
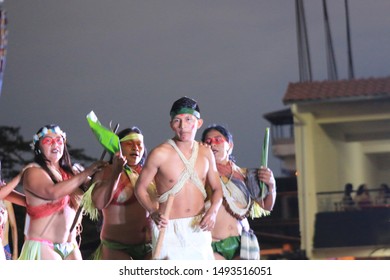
(250, 249)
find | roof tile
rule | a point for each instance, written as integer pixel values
(333, 90)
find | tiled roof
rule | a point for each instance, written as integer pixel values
(333, 90)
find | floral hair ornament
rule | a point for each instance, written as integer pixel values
(45, 131)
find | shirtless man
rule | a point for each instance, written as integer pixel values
(181, 167)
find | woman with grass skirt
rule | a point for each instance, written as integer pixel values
(242, 197)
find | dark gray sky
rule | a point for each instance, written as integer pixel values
(129, 60)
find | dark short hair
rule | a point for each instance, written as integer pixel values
(185, 105)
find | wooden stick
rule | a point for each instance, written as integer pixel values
(161, 235)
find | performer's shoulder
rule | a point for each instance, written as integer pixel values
(161, 150)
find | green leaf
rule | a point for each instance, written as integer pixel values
(108, 139)
(264, 157)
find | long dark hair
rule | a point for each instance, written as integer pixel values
(64, 162)
(224, 131)
(134, 129)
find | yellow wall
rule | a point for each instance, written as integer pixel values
(305, 156)
(326, 161)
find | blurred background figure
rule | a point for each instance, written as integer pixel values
(10, 223)
(383, 197)
(347, 202)
(363, 198)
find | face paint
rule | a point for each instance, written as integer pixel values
(133, 144)
(215, 140)
(50, 141)
(184, 119)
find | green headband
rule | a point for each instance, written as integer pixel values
(132, 136)
(186, 111)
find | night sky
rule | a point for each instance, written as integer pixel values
(128, 61)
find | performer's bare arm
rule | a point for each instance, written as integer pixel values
(38, 182)
(266, 175)
(8, 192)
(147, 175)
(6, 189)
(214, 182)
(107, 182)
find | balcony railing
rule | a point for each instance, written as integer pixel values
(333, 201)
